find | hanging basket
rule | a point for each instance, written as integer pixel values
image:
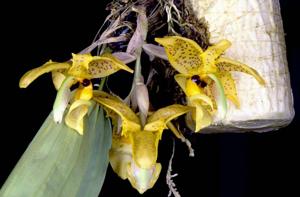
(256, 32)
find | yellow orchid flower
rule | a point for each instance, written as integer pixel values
(134, 151)
(199, 70)
(81, 68)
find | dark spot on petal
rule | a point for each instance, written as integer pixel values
(203, 84)
(196, 79)
(86, 82)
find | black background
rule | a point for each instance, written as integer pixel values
(226, 165)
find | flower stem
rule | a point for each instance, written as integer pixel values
(101, 85)
(138, 68)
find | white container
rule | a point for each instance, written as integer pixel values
(255, 29)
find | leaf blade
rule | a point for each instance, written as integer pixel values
(51, 165)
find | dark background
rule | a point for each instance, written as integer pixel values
(226, 165)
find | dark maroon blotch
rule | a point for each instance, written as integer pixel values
(86, 82)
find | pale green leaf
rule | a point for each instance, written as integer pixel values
(60, 162)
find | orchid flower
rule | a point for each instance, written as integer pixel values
(134, 150)
(199, 70)
(81, 68)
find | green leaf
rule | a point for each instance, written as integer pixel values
(60, 162)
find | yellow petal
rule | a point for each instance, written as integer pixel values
(208, 90)
(143, 179)
(57, 79)
(174, 130)
(209, 57)
(118, 62)
(217, 49)
(181, 81)
(144, 148)
(158, 120)
(62, 99)
(80, 66)
(120, 155)
(221, 98)
(75, 116)
(193, 91)
(110, 113)
(208, 65)
(82, 60)
(202, 98)
(183, 53)
(31, 75)
(192, 88)
(85, 93)
(199, 118)
(189, 87)
(225, 64)
(106, 65)
(102, 94)
(229, 87)
(130, 122)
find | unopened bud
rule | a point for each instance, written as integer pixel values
(142, 97)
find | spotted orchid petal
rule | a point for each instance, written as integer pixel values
(183, 54)
(218, 49)
(208, 90)
(225, 64)
(229, 87)
(130, 121)
(75, 116)
(158, 120)
(144, 147)
(118, 64)
(210, 55)
(89, 67)
(110, 113)
(31, 75)
(80, 66)
(221, 98)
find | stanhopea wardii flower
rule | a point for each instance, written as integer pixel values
(81, 68)
(134, 149)
(199, 70)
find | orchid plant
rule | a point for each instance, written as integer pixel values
(134, 150)
(137, 125)
(82, 68)
(199, 70)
